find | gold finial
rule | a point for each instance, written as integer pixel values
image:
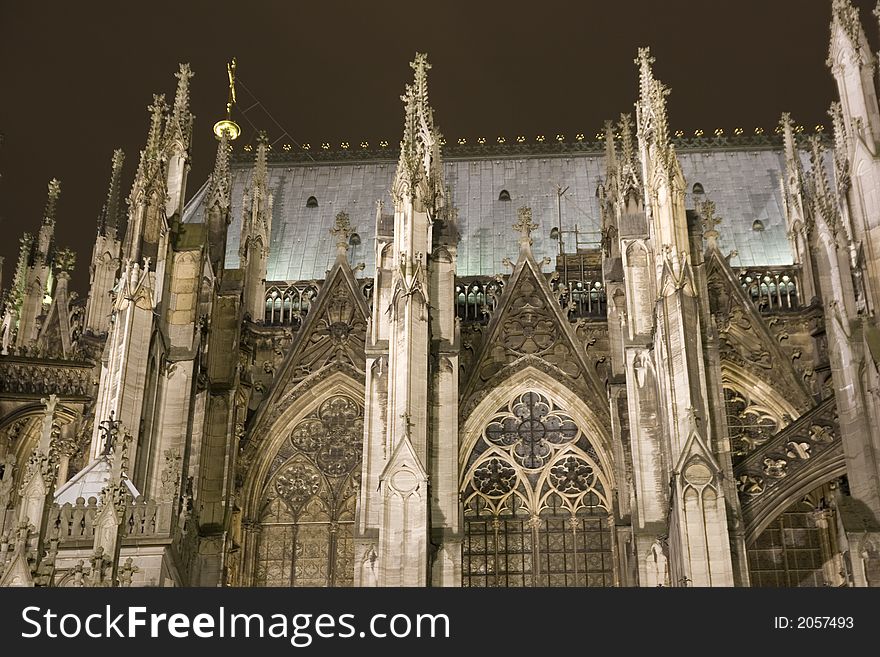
(227, 124)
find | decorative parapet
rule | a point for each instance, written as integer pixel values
(42, 377)
(540, 146)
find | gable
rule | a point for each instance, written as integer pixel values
(529, 327)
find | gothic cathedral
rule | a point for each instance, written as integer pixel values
(434, 366)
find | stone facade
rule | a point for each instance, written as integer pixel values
(487, 402)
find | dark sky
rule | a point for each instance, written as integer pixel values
(77, 77)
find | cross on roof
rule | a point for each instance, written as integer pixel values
(524, 225)
(707, 215)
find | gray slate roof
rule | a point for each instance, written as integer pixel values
(745, 185)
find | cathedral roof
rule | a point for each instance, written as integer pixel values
(744, 183)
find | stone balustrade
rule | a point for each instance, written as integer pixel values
(142, 518)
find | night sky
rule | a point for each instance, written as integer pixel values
(76, 78)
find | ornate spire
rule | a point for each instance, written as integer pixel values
(341, 231)
(181, 117)
(151, 153)
(219, 188)
(181, 97)
(626, 138)
(630, 170)
(261, 171)
(793, 168)
(823, 201)
(418, 170)
(113, 208)
(652, 117)
(610, 154)
(257, 204)
(844, 14)
(157, 114)
(786, 125)
(47, 230)
(52, 201)
(19, 281)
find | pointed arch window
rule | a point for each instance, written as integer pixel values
(504, 195)
(536, 505)
(312, 202)
(307, 522)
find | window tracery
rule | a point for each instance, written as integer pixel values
(536, 501)
(307, 526)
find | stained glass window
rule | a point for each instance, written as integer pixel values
(536, 511)
(307, 526)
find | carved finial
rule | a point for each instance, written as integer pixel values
(48, 423)
(610, 152)
(844, 14)
(421, 67)
(709, 221)
(653, 125)
(408, 423)
(181, 98)
(341, 231)
(261, 171)
(626, 139)
(157, 112)
(52, 201)
(524, 226)
(64, 260)
(789, 145)
(227, 124)
(181, 118)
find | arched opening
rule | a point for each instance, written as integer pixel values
(536, 500)
(698, 188)
(312, 202)
(504, 195)
(306, 522)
